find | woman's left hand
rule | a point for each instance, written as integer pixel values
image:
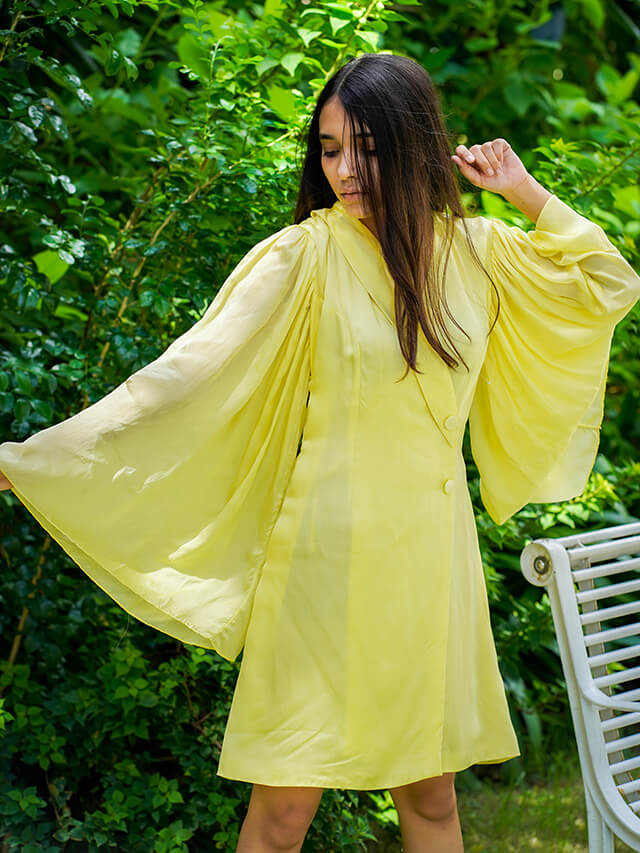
(477, 163)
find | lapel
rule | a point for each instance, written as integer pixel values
(364, 255)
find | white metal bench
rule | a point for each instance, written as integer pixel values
(593, 582)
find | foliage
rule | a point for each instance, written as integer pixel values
(146, 147)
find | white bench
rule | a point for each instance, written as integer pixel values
(593, 582)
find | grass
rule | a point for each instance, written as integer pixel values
(549, 815)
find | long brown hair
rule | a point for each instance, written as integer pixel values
(395, 98)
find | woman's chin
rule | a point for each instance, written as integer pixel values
(352, 198)
(356, 206)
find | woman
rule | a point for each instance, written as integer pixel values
(275, 482)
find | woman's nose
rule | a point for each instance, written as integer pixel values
(345, 166)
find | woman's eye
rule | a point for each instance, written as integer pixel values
(368, 151)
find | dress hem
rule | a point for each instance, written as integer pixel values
(342, 784)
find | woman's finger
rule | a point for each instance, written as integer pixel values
(464, 153)
(467, 169)
(481, 159)
(490, 153)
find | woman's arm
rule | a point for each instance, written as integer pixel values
(4, 483)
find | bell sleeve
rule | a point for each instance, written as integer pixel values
(534, 422)
(165, 491)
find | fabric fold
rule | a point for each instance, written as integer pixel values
(165, 491)
(537, 409)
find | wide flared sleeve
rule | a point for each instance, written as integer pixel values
(165, 491)
(534, 422)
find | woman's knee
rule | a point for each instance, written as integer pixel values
(284, 813)
(433, 799)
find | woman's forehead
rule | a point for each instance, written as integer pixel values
(334, 123)
(334, 129)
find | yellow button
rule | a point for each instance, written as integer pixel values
(448, 486)
(451, 422)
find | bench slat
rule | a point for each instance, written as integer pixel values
(598, 593)
(610, 613)
(611, 657)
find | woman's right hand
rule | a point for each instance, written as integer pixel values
(4, 483)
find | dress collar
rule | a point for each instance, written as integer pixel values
(340, 209)
(370, 268)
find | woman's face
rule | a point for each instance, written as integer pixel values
(335, 139)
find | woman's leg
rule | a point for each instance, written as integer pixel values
(428, 815)
(278, 819)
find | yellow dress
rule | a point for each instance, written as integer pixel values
(268, 484)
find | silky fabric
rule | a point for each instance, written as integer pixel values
(269, 483)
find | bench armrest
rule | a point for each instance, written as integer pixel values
(597, 697)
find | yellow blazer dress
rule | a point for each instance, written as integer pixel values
(268, 484)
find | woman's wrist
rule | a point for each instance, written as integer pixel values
(529, 197)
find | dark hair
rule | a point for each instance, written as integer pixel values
(395, 98)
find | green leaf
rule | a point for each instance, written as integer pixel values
(290, 61)
(338, 23)
(37, 114)
(6, 402)
(283, 102)
(26, 131)
(342, 11)
(593, 11)
(51, 264)
(44, 409)
(58, 125)
(23, 382)
(617, 88)
(128, 42)
(479, 45)
(21, 409)
(193, 55)
(272, 7)
(220, 24)
(85, 98)
(374, 40)
(66, 183)
(519, 92)
(114, 63)
(65, 256)
(68, 312)
(131, 68)
(308, 36)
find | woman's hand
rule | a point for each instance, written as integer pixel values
(4, 483)
(477, 163)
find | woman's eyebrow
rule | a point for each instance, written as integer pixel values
(328, 135)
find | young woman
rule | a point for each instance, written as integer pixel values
(287, 477)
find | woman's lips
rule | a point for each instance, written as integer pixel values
(351, 195)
